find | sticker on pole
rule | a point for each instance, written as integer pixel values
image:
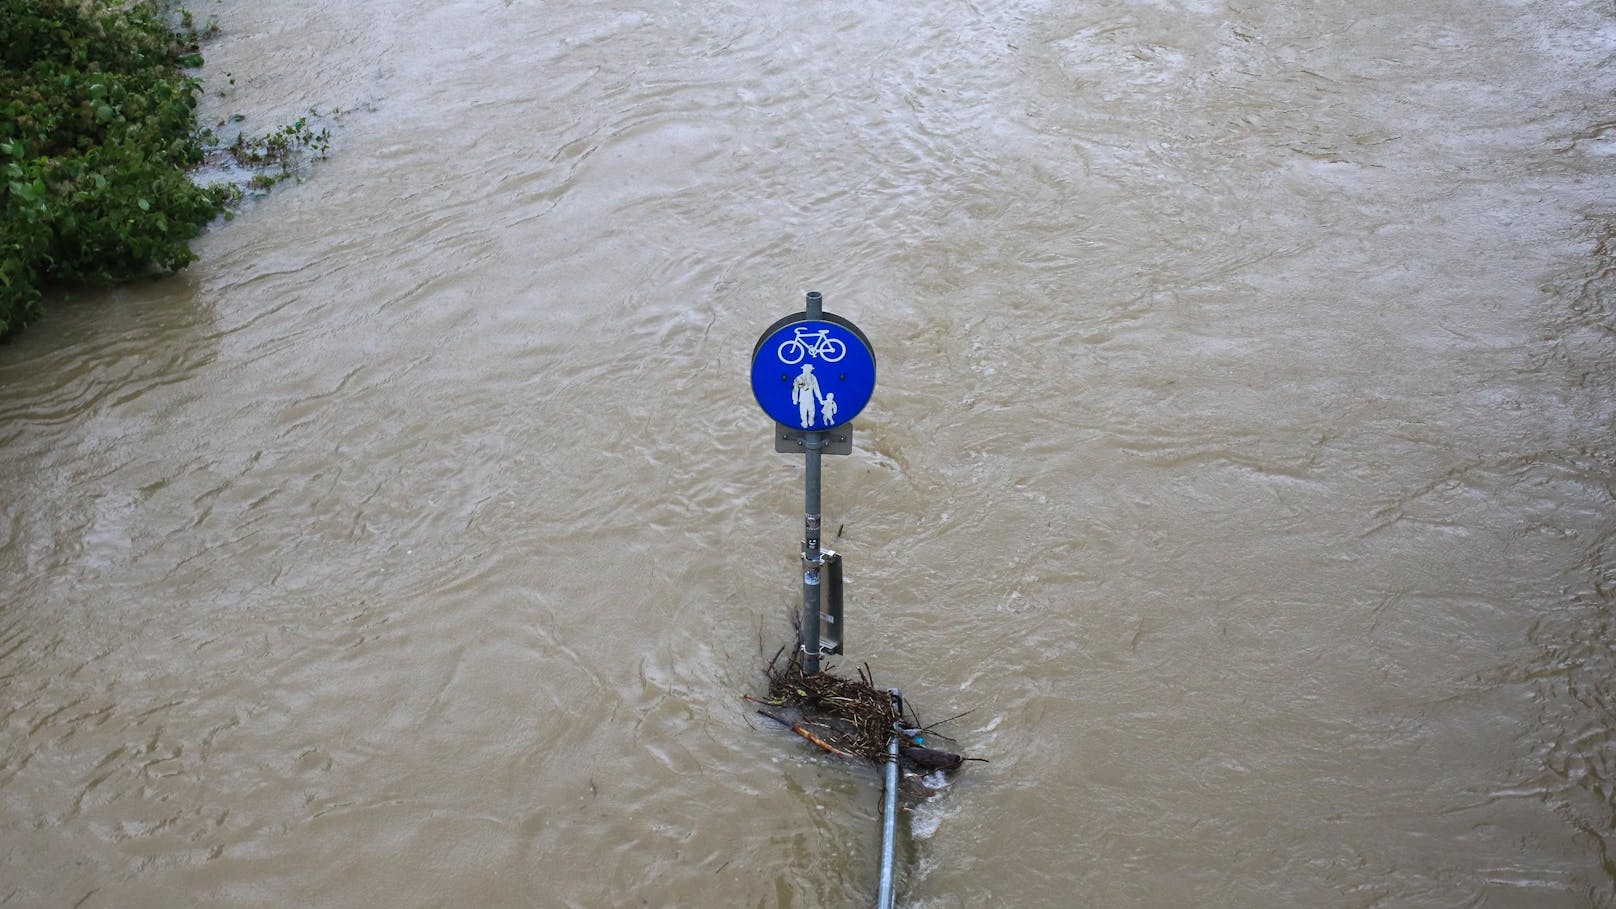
(813, 375)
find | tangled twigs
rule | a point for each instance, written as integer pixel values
(848, 717)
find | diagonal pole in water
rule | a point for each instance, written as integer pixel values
(889, 826)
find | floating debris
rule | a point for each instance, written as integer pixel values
(853, 718)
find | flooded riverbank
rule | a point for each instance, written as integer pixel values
(1240, 456)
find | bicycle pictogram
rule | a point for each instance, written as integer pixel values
(811, 344)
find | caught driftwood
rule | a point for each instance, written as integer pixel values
(918, 759)
(851, 717)
(801, 730)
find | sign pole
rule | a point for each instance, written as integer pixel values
(813, 372)
(812, 444)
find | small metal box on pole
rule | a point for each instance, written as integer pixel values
(813, 372)
(830, 604)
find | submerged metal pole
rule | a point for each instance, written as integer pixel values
(889, 826)
(813, 442)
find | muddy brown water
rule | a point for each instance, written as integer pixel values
(1241, 457)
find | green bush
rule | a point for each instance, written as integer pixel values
(97, 135)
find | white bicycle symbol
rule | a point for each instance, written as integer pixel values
(811, 344)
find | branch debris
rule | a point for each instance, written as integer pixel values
(851, 717)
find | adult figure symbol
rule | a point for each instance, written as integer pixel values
(805, 394)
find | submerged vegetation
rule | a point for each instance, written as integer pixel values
(98, 138)
(280, 150)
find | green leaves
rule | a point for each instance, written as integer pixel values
(97, 130)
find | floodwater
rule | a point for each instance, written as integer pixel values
(1242, 458)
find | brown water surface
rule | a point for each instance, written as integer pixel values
(1242, 457)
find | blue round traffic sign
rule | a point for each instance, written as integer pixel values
(813, 374)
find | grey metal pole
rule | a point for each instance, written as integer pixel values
(889, 827)
(813, 442)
